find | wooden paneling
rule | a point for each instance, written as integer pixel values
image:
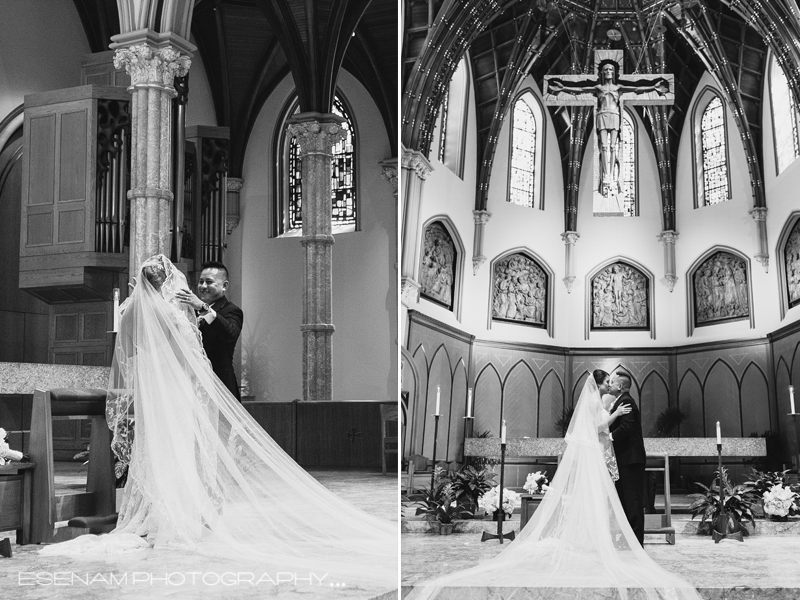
(40, 229)
(72, 163)
(41, 159)
(339, 434)
(71, 226)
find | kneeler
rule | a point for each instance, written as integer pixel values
(99, 499)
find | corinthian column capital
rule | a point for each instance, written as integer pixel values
(148, 65)
(414, 160)
(316, 133)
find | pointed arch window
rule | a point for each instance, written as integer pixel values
(344, 205)
(784, 118)
(712, 184)
(525, 177)
(628, 165)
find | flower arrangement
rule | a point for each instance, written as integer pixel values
(469, 484)
(489, 502)
(6, 453)
(536, 483)
(441, 503)
(779, 501)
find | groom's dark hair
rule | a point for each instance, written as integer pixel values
(626, 380)
(213, 264)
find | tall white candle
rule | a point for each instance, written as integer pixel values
(115, 317)
(438, 398)
(791, 397)
(719, 434)
(503, 433)
(469, 402)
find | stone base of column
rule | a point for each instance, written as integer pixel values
(317, 345)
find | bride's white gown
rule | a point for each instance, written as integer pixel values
(577, 538)
(204, 476)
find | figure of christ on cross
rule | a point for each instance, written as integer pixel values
(606, 93)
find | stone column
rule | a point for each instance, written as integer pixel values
(481, 218)
(316, 134)
(152, 66)
(570, 239)
(759, 214)
(415, 169)
(668, 238)
(233, 188)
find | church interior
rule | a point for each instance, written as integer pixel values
(529, 257)
(106, 158)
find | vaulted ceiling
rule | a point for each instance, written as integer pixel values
(249, 46)
(507, 40)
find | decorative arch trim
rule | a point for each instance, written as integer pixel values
(458, 275)
(702, 100)
(651, 307)
(550, 292)
(690, 312)
(540, 118)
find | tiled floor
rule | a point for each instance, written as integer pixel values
(374, 492)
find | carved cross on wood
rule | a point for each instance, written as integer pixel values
(607, 91)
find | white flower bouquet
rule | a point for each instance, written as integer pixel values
(6, 453)
(778, 501)
(536, 483)
(489, 502)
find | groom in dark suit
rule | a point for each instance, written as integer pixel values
(626, 432)
(219, 320)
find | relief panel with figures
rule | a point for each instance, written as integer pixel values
(519, 291)
(437, 272)
(620, 298)
(792, 258)
(720, 289)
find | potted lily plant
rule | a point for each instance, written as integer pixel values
(469, 484)
(490, 502)
(771, 487)
(738, 504)
(441, 504)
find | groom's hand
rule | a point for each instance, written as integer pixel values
(188, 297)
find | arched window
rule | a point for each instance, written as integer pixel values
(784, 118)
(453, 120)
(344, 206)
(712, 184)
(525, 176)
(628, 166)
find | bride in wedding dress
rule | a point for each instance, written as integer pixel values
(203, 476)
(578, 538)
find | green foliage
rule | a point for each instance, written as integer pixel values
(738, 503)
(440, 503)
(470, 483)
(668, 421)
(562, 422)
(763, 481)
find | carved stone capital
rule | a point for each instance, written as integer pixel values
(389, 172)
(668, 237)
(413, 160)
(409, 292)
(763, 260)
(759, 213)
(570, 238)
(569, 282)
(316, 133)
(234, 184)
(152, 66)
(477, 261)
(481, 216)
(671, 281)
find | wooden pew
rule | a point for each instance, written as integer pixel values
(99, 499)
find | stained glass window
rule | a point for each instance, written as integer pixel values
(343, 177)
(628, 174)
(523, 154)
(443, 127)
(714, 152)
(784, 112)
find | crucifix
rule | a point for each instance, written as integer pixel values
(607, 91)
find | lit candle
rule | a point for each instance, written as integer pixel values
(115, 316)
(438, 398)
(719, 434)
(503, 433)
(791, 397)
(469, 402)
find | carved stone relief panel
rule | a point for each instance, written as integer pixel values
(438, 269)
(519, 291)
(620, 295)
(792, 257)
(720, 289)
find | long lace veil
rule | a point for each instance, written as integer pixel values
(577, 538)
(204, 476)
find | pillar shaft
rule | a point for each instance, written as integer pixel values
(152, 68)
(570, 239)
(668, 238)
(316, 134)
(415, 169)
(481, 217)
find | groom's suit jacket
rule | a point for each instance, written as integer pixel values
(626, 431)
(219, 341)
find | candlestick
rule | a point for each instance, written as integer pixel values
(500, 512)
(435, 439)
(115, 314)
(503, 433)
(719, 434)
(791, 398)
(438, 398)
(469, 402)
